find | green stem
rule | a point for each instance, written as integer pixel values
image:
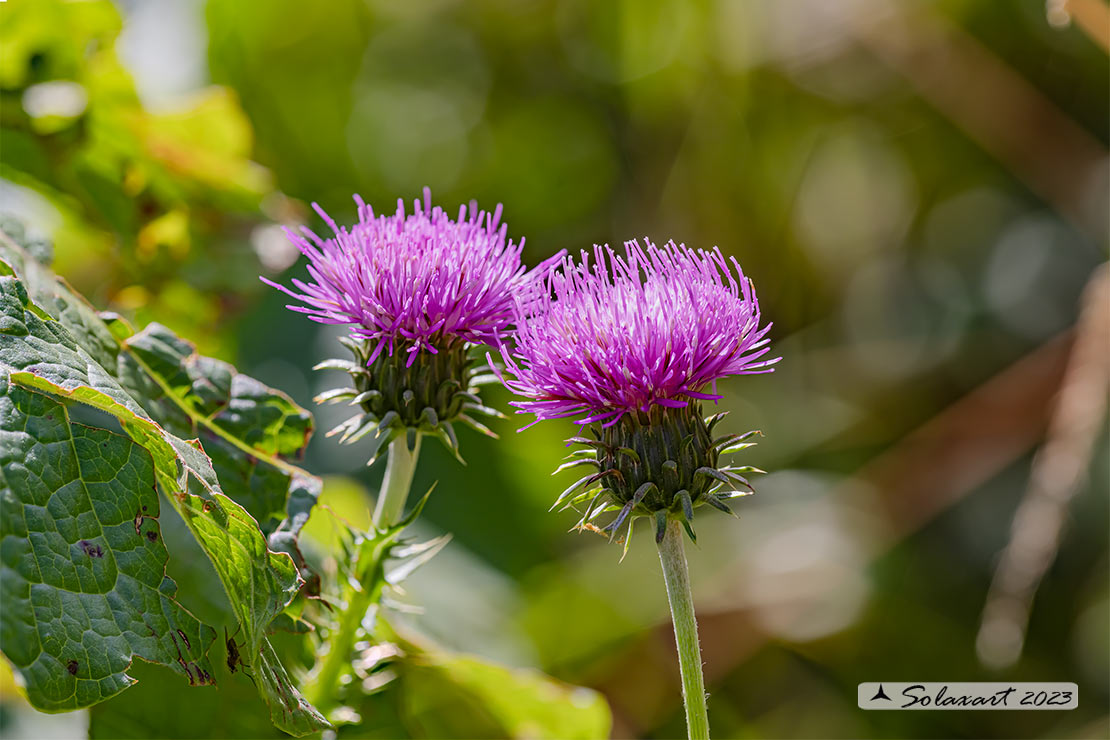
(322, 688)
(395, 486)
(677, 578)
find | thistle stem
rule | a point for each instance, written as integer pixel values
(322, 688)
(396, 483)
(676, 575)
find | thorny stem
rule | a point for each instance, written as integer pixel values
(677, 578)
(321, 688)
(399, 468)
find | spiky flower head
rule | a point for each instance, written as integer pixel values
(418, 291)
(632, 344)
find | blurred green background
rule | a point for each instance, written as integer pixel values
(918, 189)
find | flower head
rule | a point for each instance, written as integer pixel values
(631, 341)
(420, 281)
(625, 333)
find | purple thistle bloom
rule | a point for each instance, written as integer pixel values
(419, 281)
(652, 327)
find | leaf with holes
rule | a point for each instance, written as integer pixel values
(83, 574)
(39, 352)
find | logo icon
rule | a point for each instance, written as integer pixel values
(880, 694)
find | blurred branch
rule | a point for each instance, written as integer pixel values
(968, 443)
(1058, 472)
(934, 467)
(1008, 117)
(1093, 16)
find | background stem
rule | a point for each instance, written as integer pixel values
(677, 578)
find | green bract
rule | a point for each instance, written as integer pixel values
(426, 397)
(662, 463)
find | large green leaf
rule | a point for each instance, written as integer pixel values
(41, 352)
(247, 428)
(438, 694)
(435, 694)
(465, 696)
(84, 569)
(250, 431)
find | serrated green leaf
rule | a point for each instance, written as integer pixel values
(249, 431)
(259, 583)
(238, 408)
(47, 359)
(84, 580)
(42, 354)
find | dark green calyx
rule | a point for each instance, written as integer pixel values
(662, 464)
(395, 399)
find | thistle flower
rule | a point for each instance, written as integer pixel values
(418, 290)
(629, 343)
